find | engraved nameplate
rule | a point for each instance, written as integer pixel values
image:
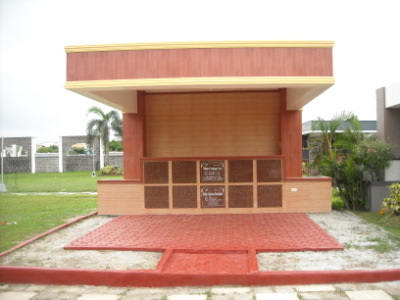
(212, 171)
(212, 196)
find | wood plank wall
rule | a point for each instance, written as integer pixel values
(174, 63)
(212, 124)
(124, 198)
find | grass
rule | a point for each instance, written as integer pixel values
(53, 182)
(29, 215)
(390, 223)
(383, 245)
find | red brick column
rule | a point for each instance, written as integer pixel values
(134, 141)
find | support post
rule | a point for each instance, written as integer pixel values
(134, 141)
(3, 187)
(33, 155)
(60, 155)
(291, 138)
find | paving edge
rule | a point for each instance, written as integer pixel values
(23, 244)
(152, 278)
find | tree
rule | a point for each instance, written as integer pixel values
(116, 146)
(102, 126)
(352, 158)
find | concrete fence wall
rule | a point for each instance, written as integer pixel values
(17, 165)
(47, 162)
(17, 161)
(32, 162)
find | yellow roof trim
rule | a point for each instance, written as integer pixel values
(200, 81)
(200, 45)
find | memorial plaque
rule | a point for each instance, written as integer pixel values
(184, 196)
(240, 170)
(184, 172)
(155, 172)
(212, 171)
(212, 196)
(240, 196)
(156, 197)
(269, 170)
(269, 195)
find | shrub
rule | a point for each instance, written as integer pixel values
(76, 151)
(337, 201)
(51, 149)
(338, 204)
(392, 204)
(374, 156)
(111, 170)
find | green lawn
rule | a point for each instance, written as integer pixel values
(29, 215)
(54, 182)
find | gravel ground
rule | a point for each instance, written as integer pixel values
(358, 237)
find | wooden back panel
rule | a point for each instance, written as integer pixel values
(212, 124)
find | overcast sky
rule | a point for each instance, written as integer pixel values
(33, 33)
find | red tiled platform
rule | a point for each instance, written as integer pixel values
(208, 244)
(262, 232)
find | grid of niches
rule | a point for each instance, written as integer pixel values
(213, 183)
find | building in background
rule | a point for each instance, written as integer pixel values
(388, 128)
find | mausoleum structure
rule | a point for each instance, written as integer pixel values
(209, 127)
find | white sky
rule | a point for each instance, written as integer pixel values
(33, 33)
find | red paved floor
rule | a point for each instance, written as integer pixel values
(206, 263)
(209, 244)
(262, 232)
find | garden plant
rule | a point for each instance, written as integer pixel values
(392, 204)
(340, 150)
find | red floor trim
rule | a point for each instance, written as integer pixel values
(145, 278)
(253, 261)
(162, 262)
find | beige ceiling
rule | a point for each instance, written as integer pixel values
(121, 94)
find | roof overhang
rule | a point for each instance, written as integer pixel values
(87, 62)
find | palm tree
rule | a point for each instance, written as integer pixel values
(329, 143)
(102, 126)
